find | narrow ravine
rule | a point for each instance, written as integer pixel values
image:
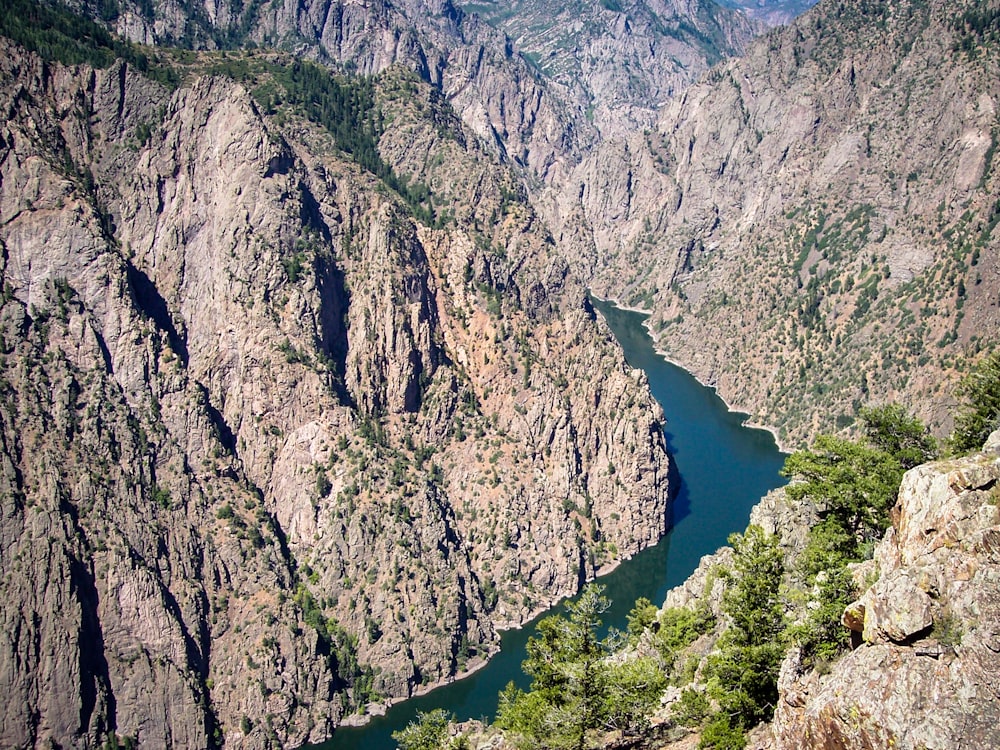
(723, 468)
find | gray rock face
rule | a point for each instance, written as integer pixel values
(774, 12)
(895, 609)
(620, 62)
(261, 432)
(541, 82)
(927, 671)
(495, 90)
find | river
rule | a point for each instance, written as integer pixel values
(723, 468)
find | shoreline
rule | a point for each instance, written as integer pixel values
(373, 710)
(525, 619)
(733, 408)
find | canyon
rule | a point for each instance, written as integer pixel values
(812, 226)
(303, 394)
(272, 450)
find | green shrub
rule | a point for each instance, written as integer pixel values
(642, 617)
(428, 732)
(720, 733)
(979, 412)
(692, 708)
(679, 627)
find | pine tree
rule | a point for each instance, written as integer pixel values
(979, 413)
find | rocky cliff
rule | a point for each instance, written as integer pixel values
(923, 667)
(926, 671)
(924, 661)
(272, 448)
(772, 12)
(543, 82)
(817, 212)
(620, 61)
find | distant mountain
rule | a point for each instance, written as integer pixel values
(543, 81)
(771, 12)
(621, 60)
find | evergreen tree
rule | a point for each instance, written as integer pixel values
(850, 481)
(428, 732)
(854, 485)
(744, 672)
(979, 413)
(642, 617)
(892, 429)
(575, 688)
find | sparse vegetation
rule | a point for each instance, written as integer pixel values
(345, 107)
(581, 686)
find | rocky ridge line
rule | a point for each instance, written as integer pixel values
(926, 671)
(620, 62)
(924, 664)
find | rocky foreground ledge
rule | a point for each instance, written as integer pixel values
(926, 670)
(924, 667)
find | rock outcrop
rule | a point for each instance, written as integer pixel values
(924, 665)
(774, 12)
(927, 668)
(270, 448)
(820, 209)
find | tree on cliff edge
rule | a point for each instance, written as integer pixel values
(979, 413)
(575, 689)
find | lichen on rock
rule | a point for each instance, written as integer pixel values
(926, 672)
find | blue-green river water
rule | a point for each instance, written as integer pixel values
(722, 469)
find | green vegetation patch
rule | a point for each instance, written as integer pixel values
(576, 689)
(59, 35)
(979, 412)
(343, 106)
(977, 27)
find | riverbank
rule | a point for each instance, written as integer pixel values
(373, 710)
(504, 628)
(734, 408)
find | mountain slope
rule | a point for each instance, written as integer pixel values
(772, 12)
(272, 447)
(813, 225)
(497, 92)
(621, 61)
(542, 82)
